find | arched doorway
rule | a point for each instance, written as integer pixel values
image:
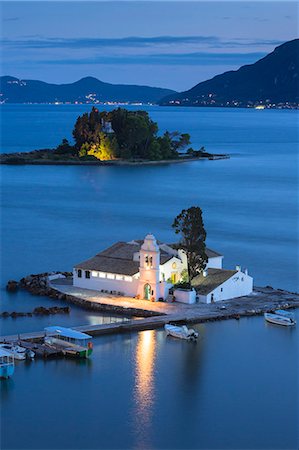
(147, 291)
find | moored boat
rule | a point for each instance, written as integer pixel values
(7, 364)
(30, 354)
(71, 342)
(284, 313)
(280, 319)
(17, 351)
(181, 332)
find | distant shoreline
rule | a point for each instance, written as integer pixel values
(21, 159)
(282, 106)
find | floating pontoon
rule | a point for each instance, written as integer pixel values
(71, 342)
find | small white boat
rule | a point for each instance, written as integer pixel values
(71, 342)
(280, 319)
(15, 350)
(182, 332)
(7, 364)
(30, 353)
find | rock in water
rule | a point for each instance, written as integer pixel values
(12, 286)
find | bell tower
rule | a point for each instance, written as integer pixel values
(149, 269)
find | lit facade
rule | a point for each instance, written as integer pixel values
(149, 269)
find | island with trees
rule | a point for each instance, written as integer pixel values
(115, 137)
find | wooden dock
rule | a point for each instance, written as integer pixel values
(42, 350)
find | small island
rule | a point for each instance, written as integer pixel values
(116, 137)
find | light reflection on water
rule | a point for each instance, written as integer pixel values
(102, 320)
(144, 390)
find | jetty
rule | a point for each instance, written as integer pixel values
(41, 350)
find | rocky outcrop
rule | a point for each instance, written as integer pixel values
(12, 286)
(38, 284)
(39, 310)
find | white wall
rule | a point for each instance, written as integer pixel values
(167, 268)
(238, 285)
(214, 263)
(129, 288)
(56, 276)
(184, 296)
(182, 255)
(164, 289)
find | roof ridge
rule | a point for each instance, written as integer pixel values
(114, 257)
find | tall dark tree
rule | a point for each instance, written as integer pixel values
(134, 131)
(190, 226)
(65, 148)
(87, 128)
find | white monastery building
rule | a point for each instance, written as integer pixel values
(149, 269)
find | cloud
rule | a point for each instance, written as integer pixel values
(11, 19)
(131, 42)
(167, 59)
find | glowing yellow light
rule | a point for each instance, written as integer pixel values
(144, 385)
(145, 354)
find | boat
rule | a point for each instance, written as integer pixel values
(17, 351)
(284, 313)
(280, 319)
(30, 354)
(71, 342)
(181, 332)
(7, 364)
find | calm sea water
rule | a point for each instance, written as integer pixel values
(237, 388)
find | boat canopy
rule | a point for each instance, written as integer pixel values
(67, 332)
(282, 312)
(3, 352)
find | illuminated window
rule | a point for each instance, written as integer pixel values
(102, 275)
(119, 277)
(111, 276)
(174, 265)
(128, 278)
(94, 273)
(79, 273)
(87, 274)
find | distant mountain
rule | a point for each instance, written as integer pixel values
(86, 90)
(272, 80)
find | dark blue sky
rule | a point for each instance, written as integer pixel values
(167, 44)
